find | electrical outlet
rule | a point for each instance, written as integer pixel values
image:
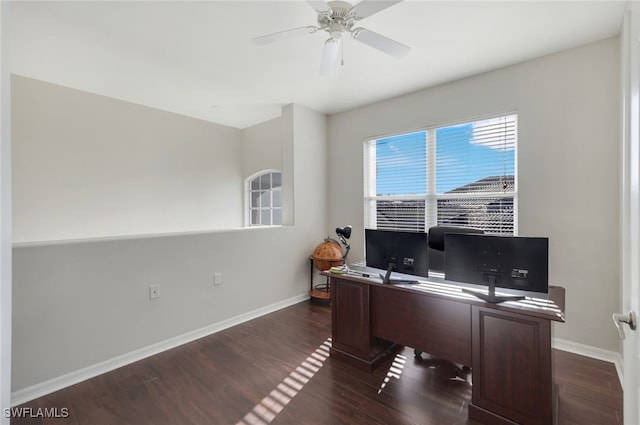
(154, 292)
(217, 278)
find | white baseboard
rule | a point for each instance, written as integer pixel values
(60, 382)
(593, 352)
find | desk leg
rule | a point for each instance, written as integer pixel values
(352, 341)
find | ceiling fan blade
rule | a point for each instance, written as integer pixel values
(369, 7)
(330, 56)
(283, 35)
(319, 5)
(380, 42)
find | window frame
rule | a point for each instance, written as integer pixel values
(431, 197)
(248, 191)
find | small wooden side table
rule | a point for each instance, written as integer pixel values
(320, 292)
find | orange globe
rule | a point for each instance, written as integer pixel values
(327, 254)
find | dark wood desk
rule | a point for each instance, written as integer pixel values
(507, 346)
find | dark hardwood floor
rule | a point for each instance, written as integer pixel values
(276, 370)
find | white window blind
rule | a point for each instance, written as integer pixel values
(461, 175)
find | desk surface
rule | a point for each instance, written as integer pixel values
(551, 308)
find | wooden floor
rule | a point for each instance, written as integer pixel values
(276, 369)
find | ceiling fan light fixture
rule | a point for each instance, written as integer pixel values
(330, 56)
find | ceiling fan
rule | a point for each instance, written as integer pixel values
(337, 18)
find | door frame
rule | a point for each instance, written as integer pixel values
(630, 204)
(5, 215)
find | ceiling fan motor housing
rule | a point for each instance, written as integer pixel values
(338, 19)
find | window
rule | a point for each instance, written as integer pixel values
(460, 175)
(265, 199)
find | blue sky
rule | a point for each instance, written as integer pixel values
(403, 156)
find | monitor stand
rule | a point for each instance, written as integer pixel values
(387, 277)
(491, 297)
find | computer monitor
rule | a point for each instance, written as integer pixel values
(397, 251)
(511, 262)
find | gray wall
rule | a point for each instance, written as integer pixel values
(262, 147)
(568, 167)
(90, 166)
(81, 303)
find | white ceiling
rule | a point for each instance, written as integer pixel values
(197, 58)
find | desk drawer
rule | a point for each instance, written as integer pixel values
(425, 322)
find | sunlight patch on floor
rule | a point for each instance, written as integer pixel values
(269, 407)
(395, 370)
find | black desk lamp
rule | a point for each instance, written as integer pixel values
(344, 233)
